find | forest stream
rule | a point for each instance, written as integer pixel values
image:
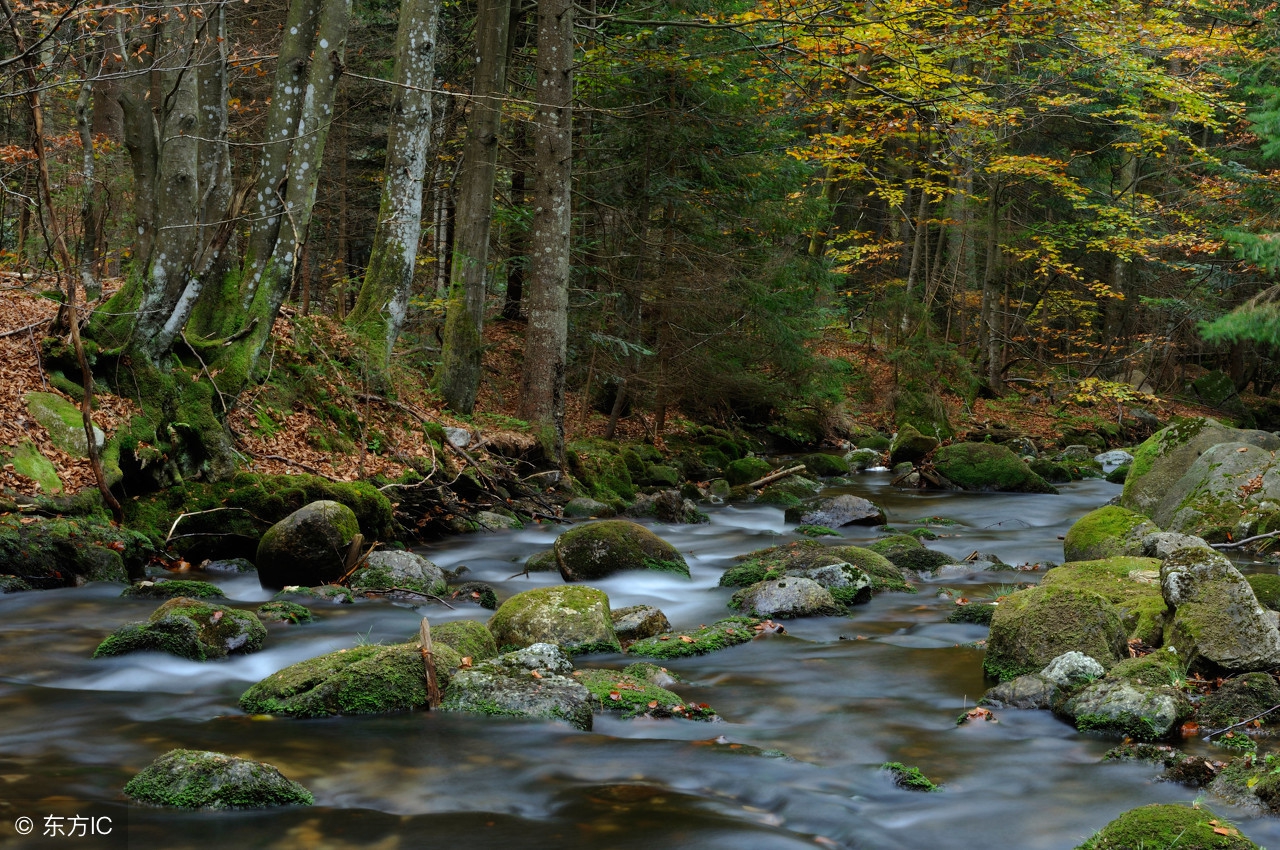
(808, 717)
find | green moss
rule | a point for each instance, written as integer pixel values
(575, 617)
(730, 631)
(825, 466)
(746, 470)
(599, 467)
(977, 613)
(1032, 627)
(57, 551)
(909, 778)
(383, 578)
(168, 589)
(1266, 587)
(634, 697)
(1131, 725)
(469, 638)
(284, 612)
(1140, 604)
(1159, 754)
(189, 779)
(1109, 530)
(1120, 474)
(1155, 668)
(648, 672)
(770, 563)
(1165, 826)
(817, 531)
(30, 463)
(598, 549)
(328, 592)
(189, 629)
(1241, 698)
(985, 466)
(908, 553)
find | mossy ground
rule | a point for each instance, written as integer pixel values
(730, 631)
(633, 697)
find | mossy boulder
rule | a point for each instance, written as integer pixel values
(48, 552)
(1107, 531)
(194, 779)
(785, 597)
(636, 622)
(746, 470)
(1129, 584)
(63, 421)
(790, 491)
(282, 611)
(1217, 625)
(334, 593)
(542, 562)
(1161, 667)
(1166, 456)
(1240, 698)
(1032, 627)
(308, 547)
(1124, 707)
(369, 679)
(573, 617)
(860, 460)
(908, 553)
(599, 549)
(803, 555)
(631, 696)
(534, 682)
(583, 507)
(188, 628)
(169, 588)
(1266, 589)
(909, 778)
(721, 634)
(825, 466)
(28, 462)
(1232, 490)
(987, 467)
(1168, 825)
(669, 506)
(1120, 474)
(469, 638)
(909, 445)
(387, 570)
(1249, 784)
(836, 512)
(600, 468)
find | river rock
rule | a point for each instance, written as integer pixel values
(825, 466)
(370, 679)
(469, 638)
(1131, 585)
(668, 506)
(785, 597)
(836, 512)
(633, 696)
(388, 569)
(573, 617)
(1034, 626)
(599, 549)
(1162, 544)
(1159, 824)
(49, 552)
(909, 445)
(1107, 531)
(1166, 456)
(228, 566)
(1029, 691)
(747, 470)
(583, 507)
(1229, 492)
(308, 547)
(721, 634)
(988, 467)
(1122, 706)
(189, 628)
(848, 584)
(170, 588)
(533, 682)
(860, 460)
(908, 553)
(192, 779)
(1023, 447)
(63, 421)
(789, 492)
(283, 611)
(1218, 625)
(1240, 698)
(1072, 669)
(637, 622)
(1115, 457)
(805, 554)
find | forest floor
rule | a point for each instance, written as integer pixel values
(279, 437)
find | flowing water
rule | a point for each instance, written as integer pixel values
(838, 696)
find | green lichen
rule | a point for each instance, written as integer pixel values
(909, 778)
(730, 631)
(632, 696)
(1166, 826)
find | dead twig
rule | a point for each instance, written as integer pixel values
(428, 661)
(776, 476)
(386, 591)
(1241, 723)
(181, 517)
(25, 329)
(1238, 543)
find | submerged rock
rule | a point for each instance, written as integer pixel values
(638, 697)
(188, 628)
(308, 547)
(573, 617)
(169, 588)
(600, 549)
(533, 682)
(191, 779)
(730, 631)
(282, 611)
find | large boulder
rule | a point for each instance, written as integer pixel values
(368, 679)
(575, 618)
(599, 549)
(308, 547)
(1169, 825)
(1129, 584)
(836, 512)
(389, 571)
(1124, 707)
(192, 779)
(785, 597)
(799, 557)
(48, 552)
(987, 466)
(1230, 491)
(534, 682)
(1032, 627)
(825, 466)
(189, 628)
(909, 445)
(908, 553)
(1166, 456)
(1218, 625)
(1107, 531)
(469, 638)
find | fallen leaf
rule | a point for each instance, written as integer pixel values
(615, 696)
(535, 674)
(1219, 830)
(653, 703)
(466, 662)
(686, 638)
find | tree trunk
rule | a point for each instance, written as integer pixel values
(518, 260)
(990, 295)
(383, 303)
(459, 378)
(542, 382)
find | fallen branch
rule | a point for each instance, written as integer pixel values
(24, 329)
(1241, 723)
(1238, 543)
(428, 661)
(386, 591)
(181, 517)
(776, 476)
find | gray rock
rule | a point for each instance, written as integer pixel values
(458, 437)
(388, 569)
(785, 597)
(583, 507)
(637, 622)
(1144, 713)
(191, 779)
(1162, 544)
(1022, 447)
(228, 565)
(1072, 669)
(861, 459)
(308, 547)
(600, 549)
(1115, 457)
(1231, 489)
(532, 683)
(574, 617)
(1028, 691)
(836, 512)
(1074, 453)
(849, 585)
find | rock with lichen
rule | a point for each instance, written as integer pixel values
(192, 779)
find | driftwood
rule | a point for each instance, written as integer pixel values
(1241, 723)
(776, 476)
(428, 661)
(1238, 543)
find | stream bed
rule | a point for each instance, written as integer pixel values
(837, 696)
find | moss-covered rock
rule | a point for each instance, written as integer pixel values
(1161, 667)
(335, 593)
(1034, 626)
(825, 466)
(909, 445)
(282, 611)
(583, 507)
(1124, 707)
(192, 779)
(1028, 691)
(169, 588)
(188, 628)
(309, 547)
(1107, 531)
(788, 492)
(976, 613)
(631, 696)
(13, 584)
(1217, 625)
(533, 682)
(806, 554)
(542, 562)
(987, 466)
(1128, 584)
(730, 631)
(669, 506)
(476, 593)
(860, 460)
(1250, 783)
(909, 778)
(599, 467)
(573, 617)
(746, 470)
(48, 552)
(63, 421)
(469, 638)
(599, 549)
(785, 597)
(836, 512)
(1266, 589)
(636, 622)
(1240, 698)
(28, 462)
(1168, 825)
(908, 553)
(1120, 474)
(368, 679)
(386, 571)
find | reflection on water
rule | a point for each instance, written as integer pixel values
(837, 696)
